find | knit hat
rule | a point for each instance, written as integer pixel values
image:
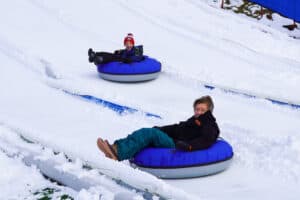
(129, 38)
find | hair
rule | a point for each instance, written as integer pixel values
(207, 100)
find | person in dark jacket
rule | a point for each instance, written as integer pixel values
(130, 54)
(198, 132)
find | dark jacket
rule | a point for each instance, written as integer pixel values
(195, 133)
(134, 55)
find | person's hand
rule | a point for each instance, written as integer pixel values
(183, 146)
(197, 122)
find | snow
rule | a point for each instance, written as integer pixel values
(43, 50)
(20, 182)
(277, 22)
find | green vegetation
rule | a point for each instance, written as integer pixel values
(51, 193)
(248, 8)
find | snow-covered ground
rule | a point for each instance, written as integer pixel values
(43, 49)
(20, 182)
(274, 20)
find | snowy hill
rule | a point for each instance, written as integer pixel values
(43, 51)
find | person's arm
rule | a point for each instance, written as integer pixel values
(210, 133)
(123, 54)
(173, 129)
(203, 142)
(170, 130)
(137, 55)
(139, 50)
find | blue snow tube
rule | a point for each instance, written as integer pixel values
(171, 163)
(144, 70)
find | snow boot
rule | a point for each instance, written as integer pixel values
(106, 149)
(90, 52)
(91, 55)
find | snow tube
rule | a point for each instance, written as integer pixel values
(173, 164)
(144, 70)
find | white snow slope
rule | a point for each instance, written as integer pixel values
(43, 48)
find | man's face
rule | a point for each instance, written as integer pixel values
(200, 109)
(128, 45)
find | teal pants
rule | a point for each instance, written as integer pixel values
(138, 140)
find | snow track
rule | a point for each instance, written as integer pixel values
(241, 140)
(57, 166)
(194, 81)
(121, 109)
(45, 68)
(248, 68)
(72, 172)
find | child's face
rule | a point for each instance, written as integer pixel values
(128, 45)
(200, 109)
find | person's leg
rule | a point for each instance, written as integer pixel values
(138, 140)
(105, 57)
